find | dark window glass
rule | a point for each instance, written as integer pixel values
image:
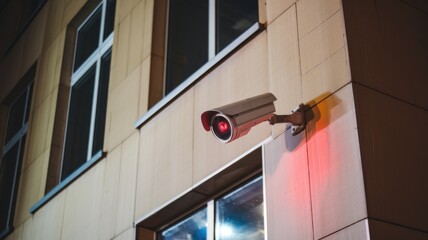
(87, 38)
(7, 180)
(240, 214)
(234, 17)
(193, 227)
(187, 40)
(109, 19)
(101, 104)
(16, 116)
(78, 126)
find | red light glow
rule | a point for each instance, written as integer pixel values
(223, 126)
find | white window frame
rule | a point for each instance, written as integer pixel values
(104, 45)
(18, 138)
(213, 59)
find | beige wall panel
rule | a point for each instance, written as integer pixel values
(37, 133)
(123, 109)
(241, 76)
(129, 234)
(30, 189)
(284, 65)
(311, 13)
(322, 42)
(393, 136)
(109, 213)
(34, 36)
(120, 62)
(382, 230)
(46, 72)
(166, 155)
(337, 186)
(83, 205)
(356, 231)
(275, 8)
(288, 200)
(10, 68)
(71, 8)
(127, 183)
(48, 220)
(49, 132)
(125, 7)
(148, 28)
(54, 21)
(27, 230)
(326, 78)
(135, 56)
(144, 86)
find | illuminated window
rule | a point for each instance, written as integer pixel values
(12, 155)
(237, 215)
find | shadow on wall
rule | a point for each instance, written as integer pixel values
(317, 116)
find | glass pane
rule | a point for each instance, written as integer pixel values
(16, 116)
(7, 179)
(87, 38)
(234, 17)
(187, 40)
(100, 118)
(240, 213)
(79, 122)
(191, 228)
(109, 20)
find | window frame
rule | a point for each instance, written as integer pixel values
(68, 78)
(213, 60)
(93, 60)
(237, 172)
(211, 206)
(19, 138)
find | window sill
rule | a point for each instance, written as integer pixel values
(62, 185)
(197, 75)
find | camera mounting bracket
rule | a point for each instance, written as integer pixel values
(296, 118)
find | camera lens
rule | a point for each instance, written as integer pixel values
(221, 127)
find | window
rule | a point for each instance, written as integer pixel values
(199, 30)
(11, 158)
(236, 215)
(80, 114)
(189, 38)
(84, 136)
(228, 201)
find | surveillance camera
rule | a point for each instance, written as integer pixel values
(235, 120)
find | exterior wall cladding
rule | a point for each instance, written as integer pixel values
(358, 171)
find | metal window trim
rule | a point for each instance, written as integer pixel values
(196, 76)
(24, 126)
(92, 59)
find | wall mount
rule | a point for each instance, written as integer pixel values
(296, 119)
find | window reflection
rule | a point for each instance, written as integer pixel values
(191, 228)
(239, 215)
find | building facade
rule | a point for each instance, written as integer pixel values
(101, 134)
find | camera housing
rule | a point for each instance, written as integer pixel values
(235, 120)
